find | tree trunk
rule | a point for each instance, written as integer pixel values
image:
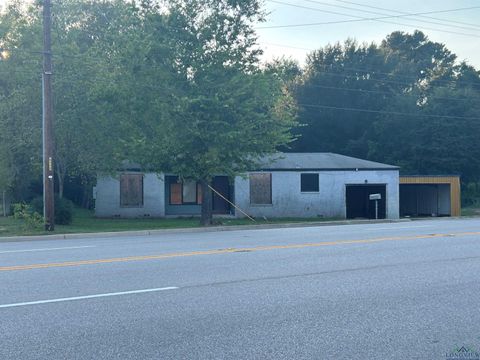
(4, 204)
(206, 218)
(61, 178)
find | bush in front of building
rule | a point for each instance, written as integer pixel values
(63, 209)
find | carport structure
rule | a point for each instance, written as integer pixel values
(430, 195)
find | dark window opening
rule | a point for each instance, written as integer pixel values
(309, 183)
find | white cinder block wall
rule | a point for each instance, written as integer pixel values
(288, 201)
(107, 203)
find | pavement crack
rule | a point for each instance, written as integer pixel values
(328, 272)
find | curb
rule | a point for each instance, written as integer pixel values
(193, 230)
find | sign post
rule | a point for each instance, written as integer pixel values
(375, 197)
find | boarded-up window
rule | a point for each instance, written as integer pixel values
(183, 193)
(176, 193)
(261, 188)
(131, 190)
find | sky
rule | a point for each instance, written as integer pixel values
(460, 33)
(458, 30)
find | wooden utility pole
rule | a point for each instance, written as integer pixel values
(47, 121)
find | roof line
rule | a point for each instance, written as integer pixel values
(325, 169)
(445, 175)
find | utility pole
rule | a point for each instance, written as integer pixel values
(47, 119)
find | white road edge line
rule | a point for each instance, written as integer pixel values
(47, 249)
(86, 297)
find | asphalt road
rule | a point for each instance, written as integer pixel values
(373, 291)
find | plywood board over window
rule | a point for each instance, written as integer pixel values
(187, 192)
(131, 190)
(261, 189)
(176, 193)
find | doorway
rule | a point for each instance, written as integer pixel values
(359, 205)
(425, 200)
(222, 185)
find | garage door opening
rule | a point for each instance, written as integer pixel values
(429, 195)
(358, 201)
(425, 200)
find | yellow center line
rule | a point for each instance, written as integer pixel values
(228, 250)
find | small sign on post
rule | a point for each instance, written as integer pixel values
(375, 197)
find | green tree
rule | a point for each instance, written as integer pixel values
(440, 137)
(224, 112)
(341, 78)
(87, 37)
(20, 100)
(338, 78)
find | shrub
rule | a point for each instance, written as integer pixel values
(63, 209)
(471, 194)
(31, 218)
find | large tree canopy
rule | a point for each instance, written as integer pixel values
(175, 86)
(79, 32)
(225, 111)
(405, 101)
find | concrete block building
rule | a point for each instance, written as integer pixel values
(284, 185)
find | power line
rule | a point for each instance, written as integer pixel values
(381, 92)
(358, 77)
(388, 112)
(368, 72)
(359, 19)
(412, 78)
(104, 81)
(371, 70)
(9, 50)
(405, 14)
